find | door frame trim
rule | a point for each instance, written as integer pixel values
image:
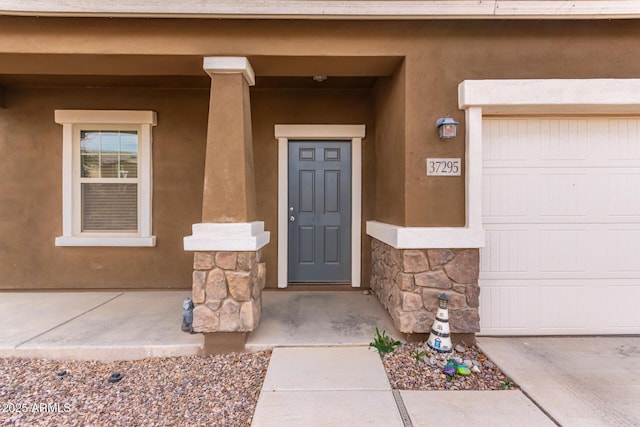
(354, 133)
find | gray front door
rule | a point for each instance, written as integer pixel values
(319, 211)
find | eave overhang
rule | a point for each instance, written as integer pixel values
(329, 9)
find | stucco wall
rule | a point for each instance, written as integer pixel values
(438, 56)
(270, 107)
(434, 57)
(31, 177)
(31, 172)
(390, 148)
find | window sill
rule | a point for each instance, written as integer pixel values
(106, 241)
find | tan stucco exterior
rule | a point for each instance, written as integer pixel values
(229, 182)
(31, 208)
(397, 78)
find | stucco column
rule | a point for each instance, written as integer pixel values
(229, 274)
(229, 182)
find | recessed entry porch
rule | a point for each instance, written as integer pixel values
(319, 318)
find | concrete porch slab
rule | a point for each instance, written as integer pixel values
(325, 368)
(319, 318)
(472, 408)
(26, 315)
(579, 381)
(326, 408)
(102, 326)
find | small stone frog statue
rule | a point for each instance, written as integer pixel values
(187, 315)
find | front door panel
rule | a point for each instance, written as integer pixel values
(319, 211)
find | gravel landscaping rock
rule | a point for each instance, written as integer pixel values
(213, 391)
(405, 374)
(217, 390)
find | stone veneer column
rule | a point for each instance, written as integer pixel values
(228, 275)
(409, 281)
(226, 291)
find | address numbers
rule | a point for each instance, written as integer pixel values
(444, 167)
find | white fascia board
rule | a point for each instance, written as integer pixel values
(246, 236)
(426, 237)
(551, 96)
(331, 9)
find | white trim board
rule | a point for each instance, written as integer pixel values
(355, 133)
(332, 9)
(548, 96)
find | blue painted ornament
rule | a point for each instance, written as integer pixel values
(450, 368)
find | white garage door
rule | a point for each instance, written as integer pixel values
(561, 207)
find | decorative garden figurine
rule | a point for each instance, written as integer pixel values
(450, 368)
(463, 370)
(440, 337)
(187, 315)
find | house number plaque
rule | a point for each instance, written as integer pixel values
(444, 167)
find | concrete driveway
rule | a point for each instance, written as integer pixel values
(578, 381)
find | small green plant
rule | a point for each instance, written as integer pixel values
(507, 384)
(418, 354)
(383, 343)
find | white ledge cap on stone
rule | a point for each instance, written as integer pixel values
(426, 237)
(235, 236)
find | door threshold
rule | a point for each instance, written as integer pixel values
(320, 286)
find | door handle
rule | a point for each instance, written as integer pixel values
(292, 218)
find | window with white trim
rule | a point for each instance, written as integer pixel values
(107, 177)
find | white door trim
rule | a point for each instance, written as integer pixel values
(355, 133)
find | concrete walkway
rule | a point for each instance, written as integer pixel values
(348, 386)
(579, 381)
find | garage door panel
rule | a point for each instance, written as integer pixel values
(510, 140)
(513, 314)
(623, 250)
(624, 143)
(563, 194)
(505, 195)
(545, 251)
(623, 195)
(507, 251)
(562, 139)
(559, 310)
(536, 307)
(563, 251)
(621, 304)
(561, 210)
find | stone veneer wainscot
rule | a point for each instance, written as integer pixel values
(227, 290)
(409, 281)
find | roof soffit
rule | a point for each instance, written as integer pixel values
(331, 9)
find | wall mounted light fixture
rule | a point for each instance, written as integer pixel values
(446, 127)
